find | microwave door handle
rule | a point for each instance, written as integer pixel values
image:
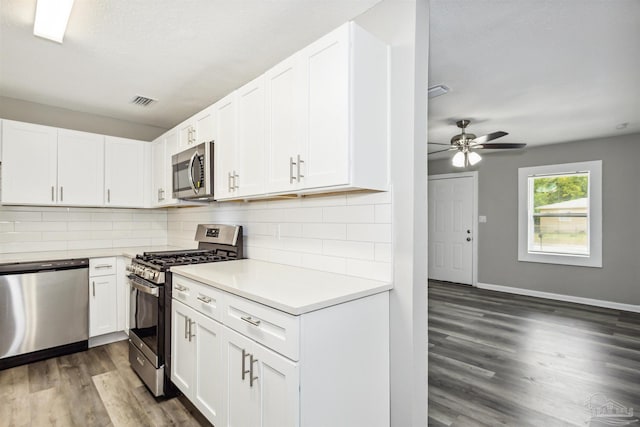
(191, 164)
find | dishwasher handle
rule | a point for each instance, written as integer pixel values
(42, 266)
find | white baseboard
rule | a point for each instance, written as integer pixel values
(107, 338)
(560, 297)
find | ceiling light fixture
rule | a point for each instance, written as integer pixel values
(465, 158)
(437, 90)
(51, 19)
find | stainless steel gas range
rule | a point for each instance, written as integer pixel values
(150, 295)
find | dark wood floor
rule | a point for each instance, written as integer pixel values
(500, 359)
(92, 388)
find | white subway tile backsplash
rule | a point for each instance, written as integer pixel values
(383, 252)
(349, 214)
(325, 263)
(325, 231)
(303, 215)
(290, 230)
(295, 244)
(383, 214)
(369, 232)
(347, 249)
(37, 229)
(370, 269)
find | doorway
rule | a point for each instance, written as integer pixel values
(453, 213)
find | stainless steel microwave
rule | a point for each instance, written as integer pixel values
(193, 173)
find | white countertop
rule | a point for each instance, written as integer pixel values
(293, 290)
(130, 252)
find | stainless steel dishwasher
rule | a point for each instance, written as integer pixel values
(44, 310)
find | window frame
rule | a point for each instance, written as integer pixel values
(594, 259)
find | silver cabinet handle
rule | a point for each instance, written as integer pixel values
(140, 361)
(52, 195)
(191, 334)
(229, 181)
(161, 194)
(248, 319)
(291, 164)
(300, 161)
(204, 299)
(251, 377)
(186, 327)
(235, 181)
(103, 266)
(108, 196)
(61, 193)
(244, 357)
(181, 288)
(93, 283)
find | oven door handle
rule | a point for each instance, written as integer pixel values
(151, 290)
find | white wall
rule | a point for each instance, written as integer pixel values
(37, 229)
(343, 233)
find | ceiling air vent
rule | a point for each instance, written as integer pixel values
(143, 101)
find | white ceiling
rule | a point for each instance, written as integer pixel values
(545, 71)
(185, 54)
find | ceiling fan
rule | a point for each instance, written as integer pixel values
(465, 142)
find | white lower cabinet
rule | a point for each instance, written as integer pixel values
(196, 353)
(103, 311)
(262, 367)
(262, 386)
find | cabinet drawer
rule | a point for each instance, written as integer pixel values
(198, 296)
(102, 266)
(272, 328)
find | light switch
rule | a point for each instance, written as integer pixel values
(482, 219)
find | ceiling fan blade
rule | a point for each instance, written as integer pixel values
(442, 151)
(500, 145)
(489, 137)
(438, 143)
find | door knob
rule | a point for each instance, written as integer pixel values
(468, 239)
(468, 231)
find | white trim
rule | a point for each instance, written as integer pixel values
(595, 214)
(474, 210)
(561, 297)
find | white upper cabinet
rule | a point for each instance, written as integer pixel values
(124, 175)
(29, 164)
(283, 128)
(197, 129)
(80, 168)
(250, 150)
(225, 146)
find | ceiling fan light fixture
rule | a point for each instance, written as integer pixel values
(51, 20)
(459, 159)
(474, 158)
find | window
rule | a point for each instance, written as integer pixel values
(560, 214)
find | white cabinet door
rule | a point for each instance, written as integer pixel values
(29, 163)
(283, 92)
(325, 65)
(158, 165)
(209, 379)
(182, 347)
(124, 172)
(80, 168)
(262, 386)
(186, 134)
(225, 146)
(204, 125)
(103, 305)
(243, 400)
(278, 381)
(122, 294)
(250, 152)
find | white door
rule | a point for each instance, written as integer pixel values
(225, 146)
(326, 104)
(251, 147)
(278, 381)
(243, 400)
(158, 165)
(186, 134)
(103, 305)
(29, 163)
(209, 379)
(170, 148)
(124, 172)
(451, 230)
(80, 168)
(204, 123)
(283, 91)
(182, 350)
